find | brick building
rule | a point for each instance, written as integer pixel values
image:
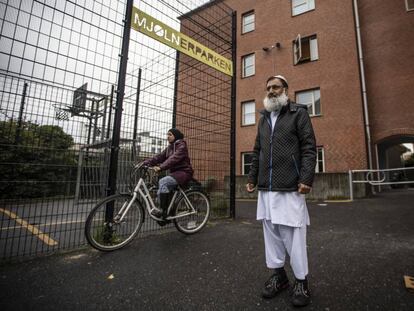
(324, 72)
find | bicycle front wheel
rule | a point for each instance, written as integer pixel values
(192, 223)
(105, 231)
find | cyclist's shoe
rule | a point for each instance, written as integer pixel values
(162, 223)
(301, 294)
(275, 284)
(157, 213)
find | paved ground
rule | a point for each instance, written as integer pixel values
(358, 254)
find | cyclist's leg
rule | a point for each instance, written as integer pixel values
(166, 185)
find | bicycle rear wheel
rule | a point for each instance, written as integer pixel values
(104, 231)
(193, 223)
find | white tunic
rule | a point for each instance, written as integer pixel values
(283, 208)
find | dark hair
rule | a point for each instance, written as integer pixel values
(285, 85)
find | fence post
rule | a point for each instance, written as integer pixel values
(113, 163)
(233, 122)
(79, 176)
(134, 134)
(351, 190)
(177, 64)
(111, 105)
(20, 119)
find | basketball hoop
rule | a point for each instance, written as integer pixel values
(61, 114)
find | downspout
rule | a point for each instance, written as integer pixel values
(363, 84)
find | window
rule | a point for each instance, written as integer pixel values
(153, 142)
(248, 22)
(320, 160)
(409, 4)
(302, 6)
(248, 65)
(247, 159)
(248, 113)
(312, 99)
(305, 49)
(152, 150)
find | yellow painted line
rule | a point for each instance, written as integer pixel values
(45, 225)
(35, 231)
(338, 201)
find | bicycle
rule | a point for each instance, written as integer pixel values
(116, 220)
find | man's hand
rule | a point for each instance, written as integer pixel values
(157, 169)
(304, 189)
(250, 187)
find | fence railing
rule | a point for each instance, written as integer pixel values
(393, 177)
(58, 102)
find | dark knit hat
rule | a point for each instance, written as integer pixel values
(177, 134)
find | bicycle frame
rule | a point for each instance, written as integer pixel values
(141, 190)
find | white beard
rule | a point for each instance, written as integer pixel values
(275, 103)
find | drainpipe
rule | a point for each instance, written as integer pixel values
(364, 89)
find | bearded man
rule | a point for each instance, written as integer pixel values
(283, 169)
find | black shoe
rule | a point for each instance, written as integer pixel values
(162, 223)
(301, 294)
(275, 284)
(157, 213)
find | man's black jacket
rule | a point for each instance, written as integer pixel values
(286, 157)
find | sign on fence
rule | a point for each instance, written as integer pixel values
(157, 30)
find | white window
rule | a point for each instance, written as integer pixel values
(305, 49)
(312, 99)
(409, 4)
(247, 22)
(320, 160)
(302, 6)
(247, 159)
(248, 65)
(248, 113)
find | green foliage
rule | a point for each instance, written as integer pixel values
(35, 161)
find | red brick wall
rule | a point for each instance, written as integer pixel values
(340, 129)
(203, 98)
(387, 31)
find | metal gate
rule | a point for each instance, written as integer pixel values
(58, 119)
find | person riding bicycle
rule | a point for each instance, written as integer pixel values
(174, 158)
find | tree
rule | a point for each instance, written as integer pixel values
(37, 163)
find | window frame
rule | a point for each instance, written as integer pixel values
(308, 10)
(313, 102)
(318, 160)
(244, 15)
(407, 8)
(243, 68)
(242, 123)
(243, 163)
(298, 44)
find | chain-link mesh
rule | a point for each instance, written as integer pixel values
(59, 63)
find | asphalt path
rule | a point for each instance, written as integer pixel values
(358, 255)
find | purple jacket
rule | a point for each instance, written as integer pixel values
(174, 158)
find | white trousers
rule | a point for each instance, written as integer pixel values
(280, 239)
